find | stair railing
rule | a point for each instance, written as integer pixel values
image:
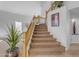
(27, 36)
(53, 6)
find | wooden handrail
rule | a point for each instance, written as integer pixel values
(53, 6)
(27, 37)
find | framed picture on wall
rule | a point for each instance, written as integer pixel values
(55, 19)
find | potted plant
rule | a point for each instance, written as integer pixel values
(60, 4)
(12, 40)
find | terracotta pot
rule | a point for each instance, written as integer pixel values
(12, 53)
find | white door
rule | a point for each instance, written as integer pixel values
(18, 26)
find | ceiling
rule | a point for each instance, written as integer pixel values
(21, 7)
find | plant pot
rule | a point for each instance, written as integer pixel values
(59, 6)
(12, 52)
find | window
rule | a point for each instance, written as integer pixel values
(18, 26)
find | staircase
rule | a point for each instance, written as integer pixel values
(43, 44)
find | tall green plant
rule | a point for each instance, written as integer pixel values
(13, 37)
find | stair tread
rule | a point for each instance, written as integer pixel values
(46, 46)
(37, 32)
(44, 41)
(59, 47)
(47, 49)
(44, 38)
(41, 27)
(49, 43)
(41, 35)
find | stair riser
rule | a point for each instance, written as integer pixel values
(47, 53)
(41, 28)
(50, 46)
(42, 36)
(46, 45)
(39, 41)
(53, 50)
(41, 25)
(41, 32)
(44, 39)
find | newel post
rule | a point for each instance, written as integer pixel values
(24, 44)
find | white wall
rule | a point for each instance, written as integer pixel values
(7, 18)
(71, 4)
(27, 8)
(62, 32)
(74, 14)
(75, 39)
(73, 7)
(45, 5)
(23, 11)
